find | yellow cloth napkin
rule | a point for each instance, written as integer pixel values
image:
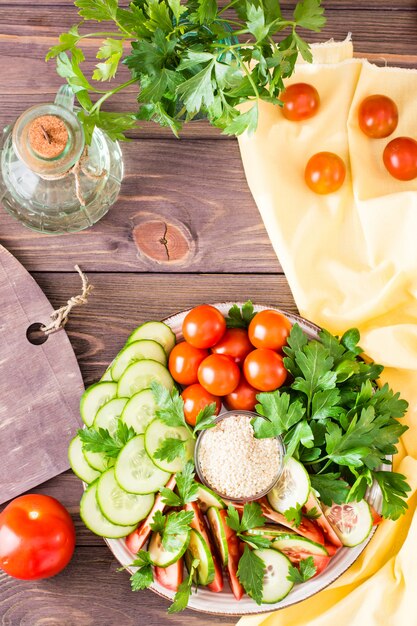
(351, 260)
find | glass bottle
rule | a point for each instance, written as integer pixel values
(49, 179)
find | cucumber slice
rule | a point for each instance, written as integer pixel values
(207, 498)
(292, 488)
(78, 462)
(198, 549)
(155, 435)
(275, 585)
(119, 506)
(219, 533)
(137, 351)
(292, 543)
(107, 375)
(134, 470)
(94, 519)
(352, 521)
(98, 460)
(157, 331)
(108, 415)
(140, 411)
(94, 397)
(160, 557)
(139, 376)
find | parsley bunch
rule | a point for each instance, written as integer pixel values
(336, 420)
(187, 58)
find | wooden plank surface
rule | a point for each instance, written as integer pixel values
(218, 245)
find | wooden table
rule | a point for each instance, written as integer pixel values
(184, 231)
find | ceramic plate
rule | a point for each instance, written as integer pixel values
(224, 603)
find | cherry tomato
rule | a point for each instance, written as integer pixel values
(218, 374)
(203, 326)
(243, 398)
(400, 158)
(234, 343)
(325, 173)
(264, 369)
(378, 116)
(195, 399)
(269, 329)
(37, 537)
(301, 101)
(184, 361)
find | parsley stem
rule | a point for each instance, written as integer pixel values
(228, 6)
(104, 34)
(99, 102)
(245, 69)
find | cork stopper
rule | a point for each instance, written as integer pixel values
(48, 136)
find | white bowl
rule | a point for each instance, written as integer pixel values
(224, 603)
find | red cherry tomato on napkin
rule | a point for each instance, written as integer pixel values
(301, 101)
(264, 369)
(37, 537)
(203, 326)
(325, 173)
(378, 116)
(269, 329)
(195, 399)
(234, 343)
(184, 360)
(400, 158)
(243, 398)
(218, 374)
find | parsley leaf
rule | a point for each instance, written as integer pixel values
(394, 492)
(309, 14)
(101, 440)
(280, 413)
(186, 486)
(99, 10)
(330, 487)
(143, 577)
(251, 573)
(170, 449)
(240, 318)
(205, 417)
(305, 571)
(170, 405)
(171, 527)
(252, 518)
(313, 513)
(184, 590)
(294, 515)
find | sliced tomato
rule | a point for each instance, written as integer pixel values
(198, 523)
(235, 552)
(328, 532)
(137, 539)
(307, 528)
(320, 562)
(170, 577)
(331, 548)
(377, 518)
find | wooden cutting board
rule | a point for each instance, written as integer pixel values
(40, 386)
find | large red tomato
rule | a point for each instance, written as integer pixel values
(184, 360)
(234, 343)
(301, 101)
(243, 398)
(264, 369)
(37, 537)
(218, 374)
(269, 329)
(400, 158)
(203, 326)
(325, 173)
(195, 399)
(378, 116)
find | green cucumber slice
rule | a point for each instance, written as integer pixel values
(207, 498)
(98, 460)
(119, 506)
(157, 331)
(292, 543)
(140, 411)
(135, 472)
(94, 397)
(137, 351)
(292, 488)
(108, 415)
(352, 521)
(163, 558)
(198, 549)
(275, 585)
(94, 519)
(107, 375)
(219, 533)
(78, 462)
(139, 376)
(155, 435)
